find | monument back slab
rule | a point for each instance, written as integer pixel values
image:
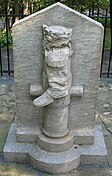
(86, 43)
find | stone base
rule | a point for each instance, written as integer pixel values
(55, 162)
(30, 134)
(55, 144)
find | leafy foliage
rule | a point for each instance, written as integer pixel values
(40, 4)
(4, 38)
(86, 3)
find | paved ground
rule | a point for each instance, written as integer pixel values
(103, 117)
(106, 61)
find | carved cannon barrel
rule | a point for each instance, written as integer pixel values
(56, 118)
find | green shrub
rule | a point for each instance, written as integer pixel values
(102, 20)
(3, 38)
(108, 38)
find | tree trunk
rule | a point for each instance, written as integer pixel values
(25, 2)
(16, 10)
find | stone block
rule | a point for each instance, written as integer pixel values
(86, 41)
(56, 162)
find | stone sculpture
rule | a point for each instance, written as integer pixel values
(57, 75)
(56, 80)
(56, 67)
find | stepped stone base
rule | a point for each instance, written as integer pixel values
(55, 162)
(55, 144)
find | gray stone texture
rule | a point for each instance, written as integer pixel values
(56, 162)
(55, 144)
(87, 37)
(48, 154)
(7, 112)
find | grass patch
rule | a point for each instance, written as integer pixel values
(108, 38)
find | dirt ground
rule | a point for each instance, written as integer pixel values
(103, 117)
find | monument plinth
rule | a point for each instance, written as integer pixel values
(56, 66)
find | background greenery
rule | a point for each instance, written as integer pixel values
(41, 3)
(26, 7)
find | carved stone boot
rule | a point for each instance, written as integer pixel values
(44, 100)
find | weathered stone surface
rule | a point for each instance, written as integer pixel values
(59, 162)
(44, 100)
(76, 91)
(3, 89)
(56, 85)
(55, 144)
(7, 104)
(83, 136)
(36, 90)
(52, 120)
(87, 35)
